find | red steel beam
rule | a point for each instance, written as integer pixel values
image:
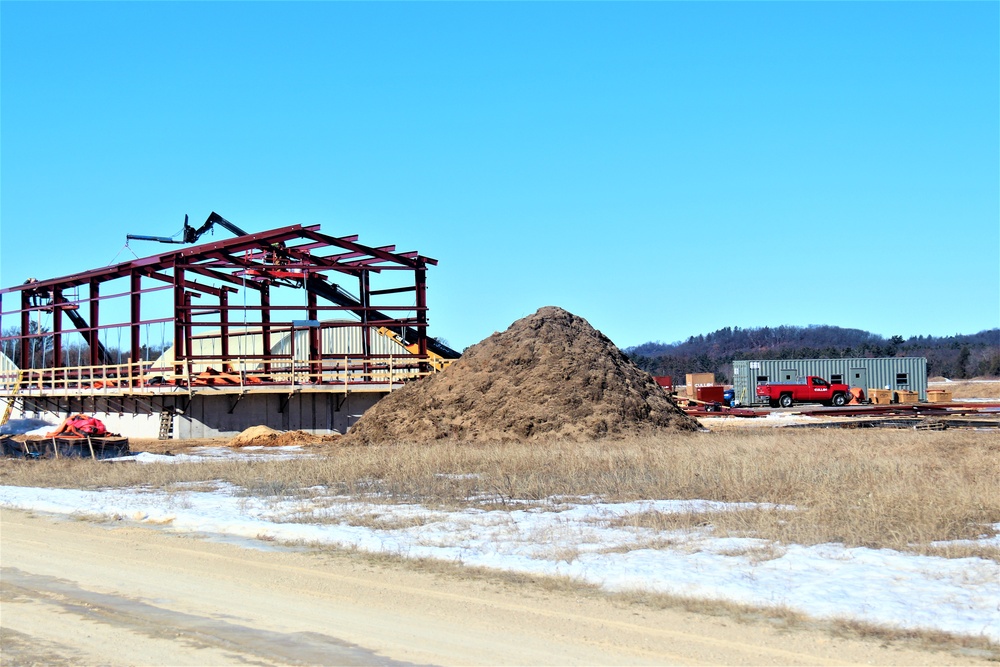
(374, 252)
(190, 284)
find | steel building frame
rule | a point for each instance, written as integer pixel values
(202, 281)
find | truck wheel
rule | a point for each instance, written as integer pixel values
(785, 401)
(839, 400)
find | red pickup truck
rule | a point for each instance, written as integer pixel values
(813, 390)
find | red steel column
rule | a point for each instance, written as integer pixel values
(135, 338)
(265, 325)
(94, 339)
(25, 361)
(224, 328)
(315, 339)
(366, 330)
(179, 317)
(421, 285)
(57, 301)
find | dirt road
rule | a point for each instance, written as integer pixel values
(75, 593)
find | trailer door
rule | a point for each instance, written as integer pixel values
(859, 379)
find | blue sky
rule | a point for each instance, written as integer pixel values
(661, 169)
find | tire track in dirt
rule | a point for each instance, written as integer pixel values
(139, 617)
(394, 613)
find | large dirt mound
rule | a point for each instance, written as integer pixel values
(549, 376)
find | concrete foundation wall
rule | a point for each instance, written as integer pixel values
(212, 416)
(127, 424)
(209, 416)
(131, 426)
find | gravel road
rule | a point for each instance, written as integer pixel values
(78, 593)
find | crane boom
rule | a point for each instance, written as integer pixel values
(190, 234)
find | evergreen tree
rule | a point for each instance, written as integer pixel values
(962, 363)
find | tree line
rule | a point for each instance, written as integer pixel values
(41, 350)
(955, 357)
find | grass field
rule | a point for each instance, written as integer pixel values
(965, 389)
(905, 490)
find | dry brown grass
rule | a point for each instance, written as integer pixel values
(964, 389)
(896, 489)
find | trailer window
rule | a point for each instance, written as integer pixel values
(837, 378)
(901, 379)
(761, 378)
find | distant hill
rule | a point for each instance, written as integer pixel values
(951, 356)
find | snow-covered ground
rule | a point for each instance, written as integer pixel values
(584, 541)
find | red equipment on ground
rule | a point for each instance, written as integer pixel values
(79, 426)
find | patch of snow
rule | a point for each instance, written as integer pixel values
(797, 416)
(202, 454)
(586, 541)
(27, 427)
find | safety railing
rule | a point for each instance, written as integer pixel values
(107, 376)
(344, 373)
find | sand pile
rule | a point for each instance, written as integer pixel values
(263, 436)
(549, 376)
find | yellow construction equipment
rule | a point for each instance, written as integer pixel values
(12, 399)
(436, 361)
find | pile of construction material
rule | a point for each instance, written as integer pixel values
(78, 436)
(550, 376)
(264, 436)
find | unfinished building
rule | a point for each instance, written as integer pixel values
(289, 328)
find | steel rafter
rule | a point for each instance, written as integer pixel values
(413, 263)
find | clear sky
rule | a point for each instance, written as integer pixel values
(661, 169)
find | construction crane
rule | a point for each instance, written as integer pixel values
(190, 234)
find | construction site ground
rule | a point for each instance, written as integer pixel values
(76, 593)
(768, 418)
(976, 414)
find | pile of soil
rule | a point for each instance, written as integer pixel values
(263, 436)
(549, 376)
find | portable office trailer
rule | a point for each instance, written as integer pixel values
(896, 373)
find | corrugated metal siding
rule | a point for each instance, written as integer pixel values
(6, 364)
(240, 344)
(8, 371)
(881, 372)
(336, 341)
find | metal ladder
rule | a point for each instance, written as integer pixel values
(166, 424)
